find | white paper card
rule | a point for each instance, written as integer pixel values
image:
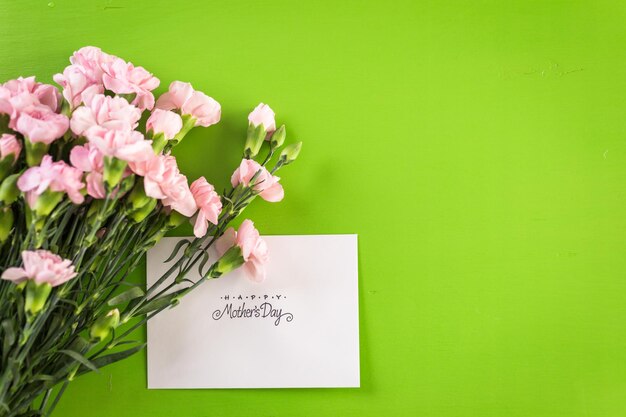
(298, 328)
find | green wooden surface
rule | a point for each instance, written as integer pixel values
(478, 148)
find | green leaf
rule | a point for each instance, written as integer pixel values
(205, 259)
(43, 377)
(158, 303)
(114, 357)
(126, 342)
(176, 249)
(125, 296)
(80, 358)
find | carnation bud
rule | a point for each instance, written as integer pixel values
(6, 223)
(290, 153)
(36, 296)
(8, 189)
(254, 140)
(278, 138)
(102, 327)
(230, 261)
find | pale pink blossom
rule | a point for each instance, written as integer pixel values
(10, 145)
(40, 124)
(164, 121)
(111, 113)
(43, 267)
(128, 146)
(83, 78)
(89, 159)
(179, 92)
(203, 108)
(122, 77)
(163, 180)
(209, 205)
(53, 176)
(91, 59)
(25, 93)
(253, 248)
(181, 96)
(266, 184)
(78, 85)
(45, 94)
(263, 114)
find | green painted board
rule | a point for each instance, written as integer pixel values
(478, 148)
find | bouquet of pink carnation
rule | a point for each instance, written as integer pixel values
(86, 188)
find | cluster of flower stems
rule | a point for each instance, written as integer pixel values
(42, 353)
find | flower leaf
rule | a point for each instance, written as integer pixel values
(179, 245)
(113, 357)
(130, 294)
(79, 358)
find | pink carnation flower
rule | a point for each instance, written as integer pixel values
(209, 205)
(91, 59)
(128, 146)
(263, 114)
(25, 93)
(265, 184)
(41, 266)
(164, 121)
(40, 124)
(55, 176)
(83, 78)
(122, 77)
(111, 113)
(253, 248)
(45, 94)
(9, 145)
(163, 180)
(181, 96)
(89, 159)
(78, 86)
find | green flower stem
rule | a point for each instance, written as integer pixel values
(104, 263)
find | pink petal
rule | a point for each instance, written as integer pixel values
(153, 189)
(82, 119)
(16, 275)
(138, 151)
(166, 102)
(79, 157)
(255, 270)
(226, 241)
(116, 85)
(200, 227)
(274, 193)
(29, 180)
